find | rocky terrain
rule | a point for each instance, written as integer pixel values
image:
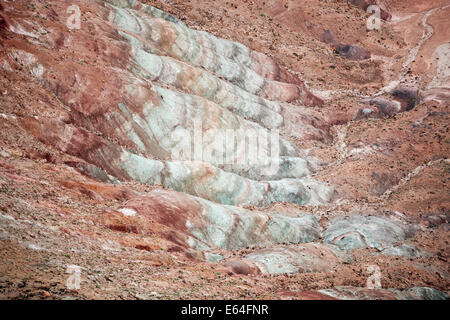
(91, 114)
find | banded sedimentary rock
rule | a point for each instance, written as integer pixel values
(156, 122)
(202, 83)
(161, 108)
(194, 177)
(354, 293)
(231, 60)
(203, 225)
(366, 231)
(308, 257)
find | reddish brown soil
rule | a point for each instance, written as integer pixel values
(403, 166)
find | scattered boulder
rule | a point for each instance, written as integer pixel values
(384, 107)
(436, 220)
(352, 52)
(241, 267)
(408, 97)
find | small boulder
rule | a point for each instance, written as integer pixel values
(355, 293)
(241, 267)
(352, 52)
(408, 97)
(328, 37)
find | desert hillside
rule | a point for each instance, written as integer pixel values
(130, 149)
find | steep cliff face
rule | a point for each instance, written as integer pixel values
(147, 132)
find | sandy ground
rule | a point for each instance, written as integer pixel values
(52, 216)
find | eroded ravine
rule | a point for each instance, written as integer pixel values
(426, 34)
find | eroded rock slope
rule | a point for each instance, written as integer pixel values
(126, 142)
